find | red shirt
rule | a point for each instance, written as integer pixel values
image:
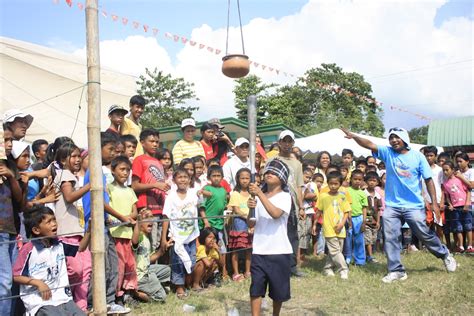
(208, 150)
(149, 170)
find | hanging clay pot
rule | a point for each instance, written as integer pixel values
(235, 65)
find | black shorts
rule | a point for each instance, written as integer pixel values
(274, 271)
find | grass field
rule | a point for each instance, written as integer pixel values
(429, 289)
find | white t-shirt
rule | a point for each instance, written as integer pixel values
(270, 235)
(231, 167)
(437, 180)
(469, 175)
(187, 230)
(308, 204)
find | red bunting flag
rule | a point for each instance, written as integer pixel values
(270, 68)
(263, 67)
(201, 46)
(80, 6)
(104, 14)
(210, 49)
(145, 28)
(136, 24)
(155, 31)
(277, 71)
(124, 21)
(69, 3)
(256, 64)
(114, 17)
(192, 43)
(184, 40)
(218, 51)
(175, 38)
(168, 35)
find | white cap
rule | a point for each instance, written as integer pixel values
(10, 115)
(188, 122)
(240, 141)
(18, 148)
(286, 133)
(402, 133)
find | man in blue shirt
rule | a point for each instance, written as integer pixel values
(404, 201)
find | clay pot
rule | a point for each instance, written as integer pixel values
(235, 65)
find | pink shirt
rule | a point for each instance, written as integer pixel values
(456, 190)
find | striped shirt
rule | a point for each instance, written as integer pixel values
(183, 149)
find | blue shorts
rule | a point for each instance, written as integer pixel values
(178, 272)
(273, 271)
(221, 241)
(461, 221)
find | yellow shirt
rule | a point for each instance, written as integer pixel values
(342, 190)
(333, 208)
(183, 149)
(237, 199)
(129, 127)
(201, 253)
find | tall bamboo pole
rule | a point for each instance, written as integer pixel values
(95, 158)
(252, 124)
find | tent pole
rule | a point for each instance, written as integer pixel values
(95, 157)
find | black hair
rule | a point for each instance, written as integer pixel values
(36, 145)
(149, 132)
(430, 149)
(205, 232)
(372, 175)
(307, 170)
(450, 164)
(273, 145)
(199, 158)
(65, 151)
(335, 175)
(212, 169)
(261, 141)
(370, 168)
(321, 155)
(137, 100)
(178, 171)
(129, 138)
(213, 160)
(347, 151)
(361, 162)
(331, 166)
(357, 172)
(161, 152)
(237, 187)
(34, 216)
(118, 160)
(205, 126)
(444, 155)
(307, 163)
(7, 127)
(368, 157)
(464, 156)
(317, 175)
(184, 162)
(52, 148)
(108, 138)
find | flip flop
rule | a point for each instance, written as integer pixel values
(182, 296)
(198, 290)
(238, 277)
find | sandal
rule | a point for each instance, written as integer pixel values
(198, 290)
(182, 296)
(238, 277)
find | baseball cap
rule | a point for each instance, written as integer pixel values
(116, 107)
(402, 133)
(18, 148)
(10, 115)
(188, 122)
(240, 141)
(216, 122)
(286, 133)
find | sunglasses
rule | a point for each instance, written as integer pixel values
(396, 129)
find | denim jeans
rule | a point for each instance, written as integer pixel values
(393, 219)
(8, 253)
(354, 246)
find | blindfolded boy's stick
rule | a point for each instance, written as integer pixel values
(252, 124)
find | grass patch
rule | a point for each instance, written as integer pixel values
(429, 289)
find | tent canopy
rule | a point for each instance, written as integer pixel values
(50, 86)
(334, 141)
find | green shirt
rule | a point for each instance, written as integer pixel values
(359, 201)
(215, 206)
(142, 255)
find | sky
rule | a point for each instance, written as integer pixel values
(416, 54)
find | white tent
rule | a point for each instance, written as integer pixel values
(334, 142)
(49, 84)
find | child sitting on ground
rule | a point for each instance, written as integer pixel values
(41, 270)
(150, 274)
(335, 208)
(208, 258)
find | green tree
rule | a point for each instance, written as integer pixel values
(419, 135)
(312, 105)
(166, 98)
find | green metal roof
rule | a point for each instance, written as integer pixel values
(452, 132)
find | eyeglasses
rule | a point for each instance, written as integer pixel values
(396, 129)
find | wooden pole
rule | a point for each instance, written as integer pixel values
(252, 125)
(95, 158)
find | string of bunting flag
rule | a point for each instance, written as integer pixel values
(215, 51)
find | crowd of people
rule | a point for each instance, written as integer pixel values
(189, 219)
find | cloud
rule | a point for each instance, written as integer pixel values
(374, 38)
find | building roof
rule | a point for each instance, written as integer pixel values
(452, 132)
